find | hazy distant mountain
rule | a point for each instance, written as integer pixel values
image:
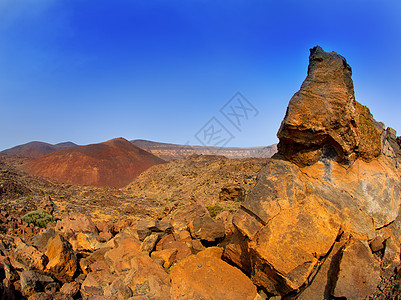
(114, 163)
(168, 151)
(37, 149)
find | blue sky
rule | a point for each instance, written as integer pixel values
(88, 71)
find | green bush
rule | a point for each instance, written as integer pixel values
(39, 218)
(214, 210)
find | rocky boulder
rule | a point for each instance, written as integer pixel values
(40, 241)
(86, 241)
(391, 146)
(206, 229)
(125, 248)
(359, 272)
(146, 227)
(76, 223)
(328, 181)
(30, 256)
(32, 282)
(323, 119)
(127, 272)
(166, 256)
(63, 263)
(206, 276)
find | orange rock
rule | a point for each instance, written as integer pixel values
(188, 213)
(182, 249)
(207, 277)
(207, 229)
(237, 252)
(126, 248)
(62, 260)
(196, 246)
(147, 279)
(164, 240)
(359, 272)
(30, 256)
(293, 215)
(292, 244)
(324, 119)
(232, 192)
(96, 283)
(226, 218)
(183, 236)
(76, 223)
(216, 252)
(87, 241)
(32, 282)
(322, 284)
(149, 242)
(374, 187)
(168, 256)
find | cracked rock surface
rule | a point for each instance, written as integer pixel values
(329, 192)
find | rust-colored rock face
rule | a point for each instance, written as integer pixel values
(114, 163)
(62, 260)
(308, 221)
(324, 119)
(205, 276)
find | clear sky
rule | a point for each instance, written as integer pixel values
(88, 71)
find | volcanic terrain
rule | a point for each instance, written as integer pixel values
(319, 220)
(114, 163)
(37, 149)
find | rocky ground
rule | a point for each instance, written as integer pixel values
(21, 193)
(100, 236)
(212, 180)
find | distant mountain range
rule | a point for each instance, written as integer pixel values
(173, 151)
(37, 149)
(165, 151)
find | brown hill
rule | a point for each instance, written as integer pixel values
(169, 151)
(114, 163)
(37, 149)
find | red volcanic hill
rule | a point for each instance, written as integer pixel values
(37, 149)
(114, 163)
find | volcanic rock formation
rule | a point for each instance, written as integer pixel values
(326, 195)
(324, 119)
(114, 163)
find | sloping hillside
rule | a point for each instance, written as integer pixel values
(114, 163)
(37, 149)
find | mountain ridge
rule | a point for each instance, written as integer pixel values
(165, 151)
(36, 149)
(169, 151)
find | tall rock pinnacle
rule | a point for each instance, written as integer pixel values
(323, 119)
